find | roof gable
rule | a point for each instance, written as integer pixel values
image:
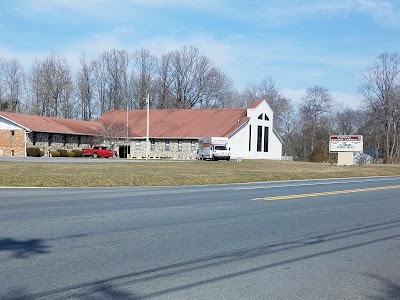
(256, 103)
(6, 123)
(260, 107)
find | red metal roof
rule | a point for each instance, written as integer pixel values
(164, 123)
(256, 103)
(53, 125)
(180, 123)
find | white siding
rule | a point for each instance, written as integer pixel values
(5, 124)
(239, 141)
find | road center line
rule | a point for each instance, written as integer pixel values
(324, 181)
(328, 193)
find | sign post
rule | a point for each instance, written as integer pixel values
(345, 146)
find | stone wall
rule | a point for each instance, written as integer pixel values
(52, 141)
(159, 148)
(12, 142)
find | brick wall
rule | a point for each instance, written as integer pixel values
(12, 142)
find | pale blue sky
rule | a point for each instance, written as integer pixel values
(298, 43)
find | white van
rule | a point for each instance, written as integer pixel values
(215, 148)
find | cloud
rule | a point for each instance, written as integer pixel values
(348, 100)
(44, 6)
(384, 12)
(189, 3)
(353, 101)
(26, 58)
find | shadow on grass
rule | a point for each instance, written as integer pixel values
(23, 249)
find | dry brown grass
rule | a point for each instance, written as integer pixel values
(162, 173)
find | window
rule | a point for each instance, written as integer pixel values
(167, 145)
(137, 145)
(193, 146)
(260, 117)
(259, 138)
(152, 145)
(266, 135)
(180, 145)
(220, 147)
(34, 138)
(12, 136)
(249, 137)
(266, 117)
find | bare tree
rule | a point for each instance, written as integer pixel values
(233, 99)
(249, 95)
(195, 79)
(52, 88)
(11, 84)
(3, 103)
(316, 123)
(372, 131)
(111, 132)
(289, 131)
(217, 90)
(164, 81)
(85, 89)
(347, 121)
(381, 90)
(111, 71)
(268, 91)
(143, 77)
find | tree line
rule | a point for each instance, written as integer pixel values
(186, 78)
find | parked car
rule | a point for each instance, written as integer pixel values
(99, 151)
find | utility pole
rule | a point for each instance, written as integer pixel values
(147, 126)
(127, 129)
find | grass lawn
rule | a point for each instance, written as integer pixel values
(162, 173)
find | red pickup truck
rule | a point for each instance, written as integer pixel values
(98, 151)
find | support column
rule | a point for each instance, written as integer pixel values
(345, 159)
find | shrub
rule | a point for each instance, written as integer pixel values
(33, 151)
(319, 155)
(41, 153)
(77, 152)
(70, 154)
(55, 153)
(63, 152)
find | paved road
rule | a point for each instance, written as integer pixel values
(210, 242)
